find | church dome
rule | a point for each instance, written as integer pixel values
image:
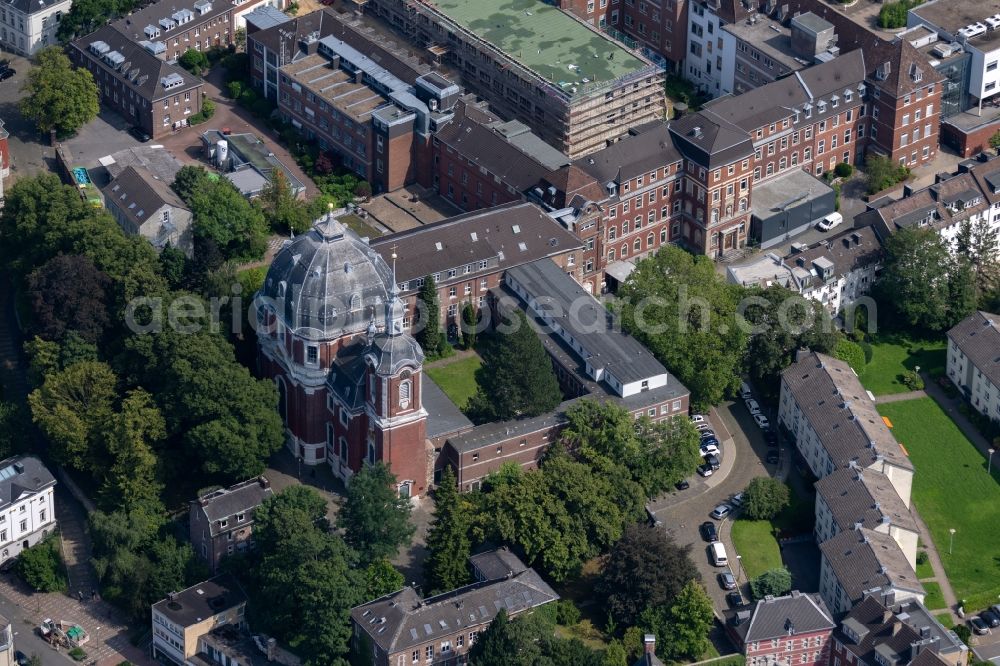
(327, 283)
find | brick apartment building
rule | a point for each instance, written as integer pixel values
(221, 521)
(575, 87)
(793, 629)
(134, 81)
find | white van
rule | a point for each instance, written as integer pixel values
(745, 391)
(718, 553)
(830, 221)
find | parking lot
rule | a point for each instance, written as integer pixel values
(744, 452)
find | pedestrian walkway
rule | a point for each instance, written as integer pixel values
(899, 397)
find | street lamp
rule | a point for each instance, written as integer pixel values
(951, 541)
(989, 461)
(739, 559)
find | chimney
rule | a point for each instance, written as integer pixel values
(359, 76)
(649, 643)
(896, 628)
(264, 483)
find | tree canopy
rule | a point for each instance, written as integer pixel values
(448, 542)
(774, 582)
(68, 293)
(516, 378)
(685, 313)
(58, 96)
(646, 569)
(765, 498)
(428, 331)
(375, 519)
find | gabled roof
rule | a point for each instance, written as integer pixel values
(641, 151)
(864, 559)
(865, 496)
(790, 615)
(978, 336)
(33, 6)
(850, 250)
(22, 476)
(906, 633)
(709, 140)
(571, 182)
(141, 71)
(401, 620)
(139, 195)
(840, 412)
(226, 503)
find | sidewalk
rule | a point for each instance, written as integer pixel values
(899, 397)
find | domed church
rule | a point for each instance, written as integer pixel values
(331, 337)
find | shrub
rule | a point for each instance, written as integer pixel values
(882, 173)
(775, 582)
(843, 170)
(193, 61)
(765, 498)
(851, 353)
(893, 14)
(913, 381)
(566, 613)
(363, 189)
(922, 557)
(41, 567)
(234, 89)
(963, 632)
(77, 654)
(869, 352)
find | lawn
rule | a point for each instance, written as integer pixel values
(945, 620)
(457, 378)
(891, 357)
(934, 599)
(952, 490)
(755, 542)
(925, 570)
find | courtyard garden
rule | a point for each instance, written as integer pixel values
(952, 491)
(893, 356)
(758, 549)
(456, 377)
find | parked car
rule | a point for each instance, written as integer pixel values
(707, 433)
(7, 73)
(705, 470)
(703, 426)
(762, 421)
(721, 511)
(978, 626)
(717, 554)
(709, 450)
(727, 581)
(682, 485)
(772, 457)
(21, 659)
(745, 391)
(708, 532)
(990, 618)
(698, 418)
(139, 134)
(771, 438)
(734, 599)
(713, 461)
(830, 221)
(752, 406)
(737, 499)
(995, 608)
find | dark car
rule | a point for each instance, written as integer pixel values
(727, 581)
(706, 441)
(7, 73)
(712, 460)
(772, 457)
(707, 434)
(978, 626)
(682, 485)
(139, 134)
(708, 532)
(990, 618)
(734, 599)
(771, 437)
(705, 470)
(20, 658)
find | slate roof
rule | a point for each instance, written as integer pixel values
(864, 496)
(149, 70)
(347, 376)
(22, 475)
(494, 234)
(710, 140)
(871, 628)
(226, 503)
(840, 412)
(978, 336)
(851, 250)
(570, 182)
(402, 619)
(33, 6)
(133, 26)
(488, 148)
(864, 559)
(495, 564)
(644, 149)
(792, 614)
(139, 195)
(604, 345)
(202, 601)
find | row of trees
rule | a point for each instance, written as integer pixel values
(144, 420)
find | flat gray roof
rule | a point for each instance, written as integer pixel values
(952, 15)
(790, 189)
(443, 416)
(770, 38)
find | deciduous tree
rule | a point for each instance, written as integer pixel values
(914, 281)
(57, 96)
(429, 333)
(130, 437)
(685, 313)
(68, 293)
(765, 498)
(690, 620)
(381, 578)
(775, 582)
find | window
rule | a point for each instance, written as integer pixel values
(405, 389)
(312, 355)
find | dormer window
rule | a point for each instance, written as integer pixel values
(240, 517)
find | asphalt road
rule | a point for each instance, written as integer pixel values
(682, 512)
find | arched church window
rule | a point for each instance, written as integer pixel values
(405, 391)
